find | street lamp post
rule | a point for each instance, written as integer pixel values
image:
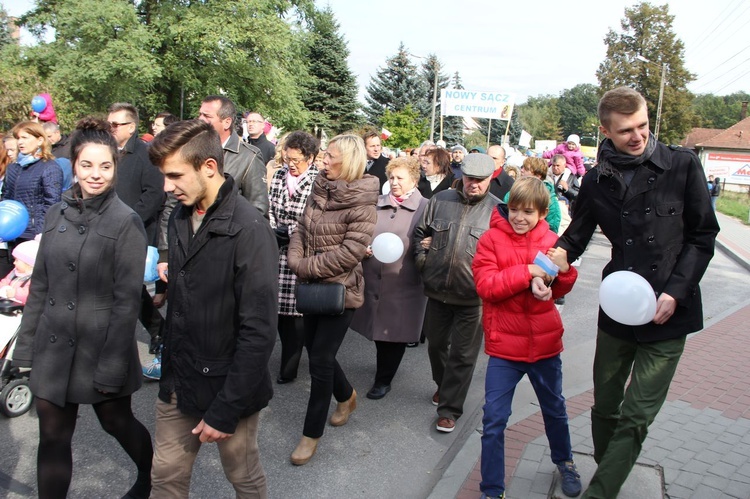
(661, 92)
(434, 94)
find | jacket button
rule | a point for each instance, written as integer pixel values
(81, 229)
(629, 242)
(630, 268)
(651, 180)
(672, 211)
(63, 205)
(71, 342)
(651, 239)
(71, 266)
(52, 338)
(654, 267)
(176, 314)
(52, 302)
(648, 210)
(205, 370)
(62, 228)
(71, 305)
(625, 213)
(182, 273)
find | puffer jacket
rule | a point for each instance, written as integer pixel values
(455, 226)
(517, 326)
(333, 234)
(38, 186)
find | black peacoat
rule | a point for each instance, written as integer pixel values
(78, 327)
(661, 226)
(222, 311)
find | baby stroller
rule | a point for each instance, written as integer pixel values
(15, 395)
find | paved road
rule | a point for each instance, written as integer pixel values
(388, 449)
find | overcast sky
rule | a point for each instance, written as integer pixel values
(531, 47)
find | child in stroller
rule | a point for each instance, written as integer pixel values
(15, 395)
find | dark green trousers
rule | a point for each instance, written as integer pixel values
(621, 415)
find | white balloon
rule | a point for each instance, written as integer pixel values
(627, 298)
(387, 247)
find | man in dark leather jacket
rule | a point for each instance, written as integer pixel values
(221, 317)
(445, 240)
(651, 202)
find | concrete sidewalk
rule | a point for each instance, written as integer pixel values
(699, 445)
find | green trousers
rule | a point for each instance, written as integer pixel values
(621, 415)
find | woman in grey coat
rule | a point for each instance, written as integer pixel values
(395, 302)
(78, 328)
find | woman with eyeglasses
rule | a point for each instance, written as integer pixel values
(328, 246)
(290, 187)
(35, 179)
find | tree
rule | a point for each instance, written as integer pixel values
(647, 32)
(19, 86)
(169, 54)
(540, 116)
(331, 88)
(453, 126)
(431, 68)
(713, 111)
(407, 127)
(5, 38)
(577, 108)
(394, 87)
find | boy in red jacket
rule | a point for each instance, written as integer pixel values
(523, 330)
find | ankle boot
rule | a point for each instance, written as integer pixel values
(304, 451)
(344, 410)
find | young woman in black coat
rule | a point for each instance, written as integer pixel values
(78, 328)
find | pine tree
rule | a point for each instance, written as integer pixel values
(647, 32)
(331, 89)
(394, 87)
(453, 126)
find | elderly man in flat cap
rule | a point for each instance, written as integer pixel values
(445, 241)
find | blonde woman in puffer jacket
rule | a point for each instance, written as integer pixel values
(330, 242)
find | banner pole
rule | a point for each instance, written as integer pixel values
(507, 129)
(489, 131)
(441, 127)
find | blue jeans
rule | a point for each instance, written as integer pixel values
(500, 384)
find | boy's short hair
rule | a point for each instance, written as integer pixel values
(623, 100)
(195, 140)
(537, 167)
(529, 192)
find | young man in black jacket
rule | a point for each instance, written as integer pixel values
(222, 315)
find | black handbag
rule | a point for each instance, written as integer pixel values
(320, 298)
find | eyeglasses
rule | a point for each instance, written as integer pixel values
(115, 125)
(295, 161)
(253, 122)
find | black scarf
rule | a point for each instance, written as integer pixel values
(611, 161)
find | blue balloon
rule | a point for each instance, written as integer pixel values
(152, 258)
(14, 218)
(38, 104)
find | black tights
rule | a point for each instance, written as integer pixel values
(56, 427)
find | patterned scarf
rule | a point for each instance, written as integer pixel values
(26, 159)
(404, 197)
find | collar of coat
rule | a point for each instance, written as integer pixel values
(129, 147)
(72, 198)
(340, 194)
(411, 203)
(218, 216)
(233, 143)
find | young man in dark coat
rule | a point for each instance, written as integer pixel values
(222, 317)
(651, 202)
(501, 181)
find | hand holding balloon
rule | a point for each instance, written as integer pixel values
(387, 247)
(628, 298)
(665, 307)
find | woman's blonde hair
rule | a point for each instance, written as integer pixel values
(35, 130)
(353, 155)
(529, 192)
(410, 164)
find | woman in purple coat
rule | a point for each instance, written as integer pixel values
(394, 305)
